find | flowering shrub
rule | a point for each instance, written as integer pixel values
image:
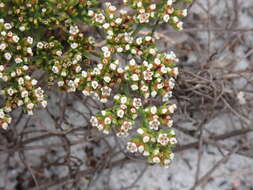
(52, 38)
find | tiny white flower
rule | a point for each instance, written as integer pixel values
(90, 13)
(15, 39)
(120, 113)
(173, 140)
(132, 147)
(20, 103)
(7, 56)
(94, 84)
(156, 160)
(30, 106)
(107, 79)
(141, 148)
(169, 2)
(153, 110)
(146, 139)
(140, 131)
(7, 26)
(184, 12)
(118, 20)
(74, 45)
(5, 126)
(134, 87)
(123, 100)
(30, 40)
(166, 18)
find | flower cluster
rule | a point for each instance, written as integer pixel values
(162, 11)
(155, 137)
(120, 117)
(52, 43)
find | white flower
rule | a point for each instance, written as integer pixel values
(25, 67)
(184, 12)
(156, 160)
(173, 140)
(21, 81)
(34, 82)
(55, 69)
(20, 103)
(107, 54)
(171, 156)
(74, 45)
(107, 79)
(18, 60)
(123, 99)
(120, 113)
(166, 18)
(29, 50)
(94, 84)
(144, 17)
(106, 91)
(29, 40)
(169, 2)
(146, 139)
(137, 103)
(119, 49)
(170, 123)
(175, 19)
(7, 56)
(140, 131)
(148, 38)
(180, 25)
(134, 87)
(163, 139)
(40, 45)
(1, 68)
(7, 26)
(5, 126)
(144, 88)
(175, 71)
(30, 106)
(2, 114)
(10, 91)
(120, 70)
(22, 28)
(157, 61)
(147, 75)
(118, 20)
(126, 126)
(139, 41)
(132, 147)
(15, 39)
(154, 124)
(153, 93)
(141, 149)
(2, 46)
(24, 94)
(172, 108)
(86, 93)
(116, 97)
(94, 121)
(73, 30)
(153, 110)
(107, 120)
(166, 162)
(146, 153)
(99, 18)
(90, 13)
(152, 51)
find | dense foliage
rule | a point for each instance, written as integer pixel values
(96, 48)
